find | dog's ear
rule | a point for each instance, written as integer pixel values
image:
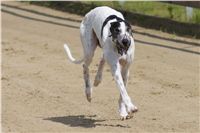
(114, 28)
(130, 30)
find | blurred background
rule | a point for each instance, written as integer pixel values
(178, 11)
(179, 17)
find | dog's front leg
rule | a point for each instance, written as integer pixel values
(122, 106)
(116, 72)
(125, 73)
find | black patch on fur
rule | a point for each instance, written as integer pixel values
(114, 29)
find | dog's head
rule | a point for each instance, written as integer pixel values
(121, 34)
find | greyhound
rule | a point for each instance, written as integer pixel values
(107, 28)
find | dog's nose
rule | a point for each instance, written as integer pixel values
(125, 41)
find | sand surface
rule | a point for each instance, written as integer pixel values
(43, 92)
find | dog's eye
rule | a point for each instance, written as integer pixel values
(117, 31)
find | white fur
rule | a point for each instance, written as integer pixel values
(90, 31)
(69, 55)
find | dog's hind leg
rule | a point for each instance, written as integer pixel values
(89, 43)
(88, 88)
(98, 76)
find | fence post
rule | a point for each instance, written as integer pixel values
(189, 13)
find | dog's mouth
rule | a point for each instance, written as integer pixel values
(122, 43)
(122, 48)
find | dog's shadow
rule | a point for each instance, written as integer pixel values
(82, 121)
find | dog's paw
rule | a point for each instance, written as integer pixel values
(129, 115)
(89, 97)
(132, 109)
(88, 94)
(123, 113)
(126, 117)
(97, 80)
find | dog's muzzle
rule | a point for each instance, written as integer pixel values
(124, 45)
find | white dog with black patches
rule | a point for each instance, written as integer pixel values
(106, 28)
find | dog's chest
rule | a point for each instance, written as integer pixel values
(124, 59)
(122, 62)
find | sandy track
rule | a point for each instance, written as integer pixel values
(43, 92)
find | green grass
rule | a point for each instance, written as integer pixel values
(160, 9)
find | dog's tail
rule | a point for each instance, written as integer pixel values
(70, 57)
